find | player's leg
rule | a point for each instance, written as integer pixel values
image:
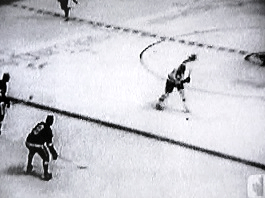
(2, 114)
(2, 108)
(31, 154)
(183, 99)
(67, 12)
(163, 97)
(63, 4)
(168, 89)
(1, 120)
(64, 7)
(46, 158)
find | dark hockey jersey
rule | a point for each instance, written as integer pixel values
(3, 88)
(177, 75)
(40, 134)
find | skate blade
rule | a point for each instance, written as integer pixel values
(159, 107)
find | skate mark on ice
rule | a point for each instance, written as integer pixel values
(164, 108)
(19, 170)
(39, 59)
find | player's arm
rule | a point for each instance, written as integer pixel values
(52, 150)
(187, 80)
(49, 144)
(172, 76)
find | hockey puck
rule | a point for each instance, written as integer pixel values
(187, 118)
(30, 97)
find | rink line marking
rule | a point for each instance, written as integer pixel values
(146, 66)
(141, 133)
(160, 77)
(132, 31)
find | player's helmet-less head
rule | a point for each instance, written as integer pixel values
(6, 77)
(193, 57)
(49, 120)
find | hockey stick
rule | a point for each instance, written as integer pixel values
(79, 166)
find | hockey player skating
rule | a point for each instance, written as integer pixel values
(176, 79)
(65, 6)
(40, 141)
(4, 101)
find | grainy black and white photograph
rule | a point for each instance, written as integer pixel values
(132, 98)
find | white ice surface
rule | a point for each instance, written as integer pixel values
(98, 73)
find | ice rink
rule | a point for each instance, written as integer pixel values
(100, 74)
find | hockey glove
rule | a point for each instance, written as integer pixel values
(75, 1)
(187, 80)
(192, 57)
(53, 152)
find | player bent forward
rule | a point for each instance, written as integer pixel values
(40, 141)
(176, 79)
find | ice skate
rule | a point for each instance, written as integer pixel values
(159, 105)
(47, 176)
(186, 110)
(29, 169)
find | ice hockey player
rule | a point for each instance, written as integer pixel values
(65, 6)
(176, 79)
(40, 141)
(4, 101)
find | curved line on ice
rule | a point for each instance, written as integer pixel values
(160, 77)
(146, 66)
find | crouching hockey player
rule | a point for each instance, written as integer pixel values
(40, 141)
(176, 79)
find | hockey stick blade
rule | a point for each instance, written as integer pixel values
(79, 166)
